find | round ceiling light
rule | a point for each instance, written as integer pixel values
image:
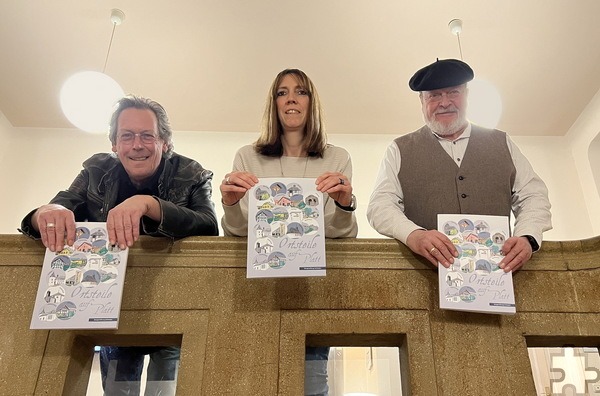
(87, 100)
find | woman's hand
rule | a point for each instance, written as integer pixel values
(337, 185)
(234, 186)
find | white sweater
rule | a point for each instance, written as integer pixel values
(338, 222)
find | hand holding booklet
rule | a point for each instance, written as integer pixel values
(81, 286)
(475, 282)
(286, 232)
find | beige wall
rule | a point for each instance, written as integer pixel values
(53, 158)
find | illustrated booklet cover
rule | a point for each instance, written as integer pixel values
(475, 282)
(286, 236)
(81, 286)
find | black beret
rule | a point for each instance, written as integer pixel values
(441, 74)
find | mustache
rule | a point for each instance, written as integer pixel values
(450, 109)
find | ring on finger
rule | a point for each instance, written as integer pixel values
(50, 225)
(342, 182)
(433, 249)
(227, 181)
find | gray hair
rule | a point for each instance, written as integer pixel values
(137, 102)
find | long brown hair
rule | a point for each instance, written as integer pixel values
(315, 138)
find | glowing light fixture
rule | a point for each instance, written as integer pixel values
(87, 98)
(485, 103)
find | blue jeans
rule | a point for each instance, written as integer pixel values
(315, 371)
(121, 369)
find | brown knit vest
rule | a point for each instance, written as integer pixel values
(432, 183)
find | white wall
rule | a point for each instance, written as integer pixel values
(580, 137)
(553, 161)
(594, 157)
(41, 162)
(6, 136)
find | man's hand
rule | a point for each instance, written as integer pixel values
(433, 245)
(234, 186)
(517, 251)
(54, 222)
(123, 221)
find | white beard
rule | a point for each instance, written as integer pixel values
(442, 129)
(446, 129)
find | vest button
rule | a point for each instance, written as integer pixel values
(463, 195)
(461, 178)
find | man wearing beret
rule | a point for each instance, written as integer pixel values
(452, 166)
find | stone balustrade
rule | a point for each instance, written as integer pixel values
(246, 336)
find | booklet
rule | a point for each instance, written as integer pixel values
(81, 286)
(475, 282)
(286, 233)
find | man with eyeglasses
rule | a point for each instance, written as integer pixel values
(142, 188)
(452, 166)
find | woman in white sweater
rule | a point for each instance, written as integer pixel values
(292, 143)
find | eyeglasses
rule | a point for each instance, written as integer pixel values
(129, 137)
(435, 97)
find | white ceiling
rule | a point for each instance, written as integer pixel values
(211, 62)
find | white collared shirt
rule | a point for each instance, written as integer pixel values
(530, 204)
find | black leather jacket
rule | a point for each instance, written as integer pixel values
(184, 195)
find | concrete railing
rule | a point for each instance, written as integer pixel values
(247, 337)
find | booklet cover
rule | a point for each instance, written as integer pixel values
(81, 286)
(286, 235)
(475, 282)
